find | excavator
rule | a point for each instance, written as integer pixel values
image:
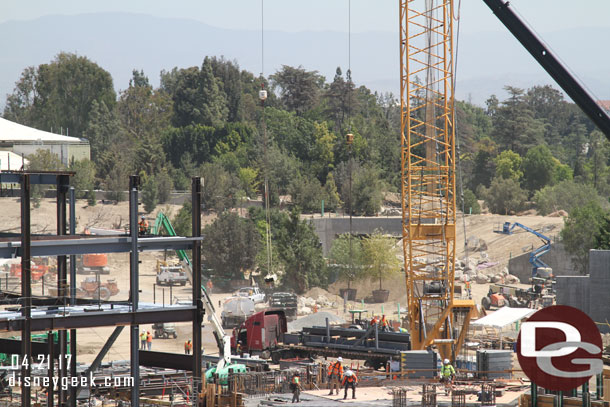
(428, 156)
(224, 364)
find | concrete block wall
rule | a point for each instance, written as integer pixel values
(599, 291)
(573, 291)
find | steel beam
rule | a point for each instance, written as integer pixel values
(36, 178)
(26, 288)
(196, 264)
(105, 317)
(51, 370)
(69, 246)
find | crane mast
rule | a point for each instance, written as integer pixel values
(428, 175)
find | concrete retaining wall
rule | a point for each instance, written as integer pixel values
(557, 258)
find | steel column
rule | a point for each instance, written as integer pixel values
(51, 372)
(73, 349)
(134, 182)
(196, 265)
(26, 288)
(62, 282)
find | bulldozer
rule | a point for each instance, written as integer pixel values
(90, 287)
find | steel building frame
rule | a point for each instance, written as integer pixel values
(119, 314)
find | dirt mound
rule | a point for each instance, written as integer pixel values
(317, 292)
(558, 214)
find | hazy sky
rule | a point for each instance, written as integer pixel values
(317, 15)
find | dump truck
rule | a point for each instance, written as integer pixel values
(286, 301)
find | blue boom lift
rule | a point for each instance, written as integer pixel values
(539, 268)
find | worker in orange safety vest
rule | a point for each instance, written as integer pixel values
(335, 372)
(188, 347)
(350, 380)
(143, 226)
(295, 385)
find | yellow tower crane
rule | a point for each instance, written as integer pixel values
(427, 62)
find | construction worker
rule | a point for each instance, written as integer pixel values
(467, 286)
(295, 386)
(238, 349)
(149, 340)
(350, 380)
(374, 320)
(188, 347)
(335, 372)
(143, 340)
(447, 375)
(384, 324)
(143, 226)
(209, 286)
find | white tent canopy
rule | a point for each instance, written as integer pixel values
(10, 161)
(15, 132)
(503, 317)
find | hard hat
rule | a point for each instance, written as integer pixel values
(446, 361)
(339, 359)
(142, 217)
(349, 373)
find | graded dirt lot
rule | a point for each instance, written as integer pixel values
(499, 249)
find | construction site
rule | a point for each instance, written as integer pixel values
(107, 305)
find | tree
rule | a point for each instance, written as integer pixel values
(579, 232)
(300, 251)
(230, 246)
(307, 194)
(150, 194)
(367, 191)
(602, 237)
(183, 221)
(145, 114)
(219, 187)
(538, 168)
(42, 160)
(566, 195)
(340, 98)
(345, 261)
(504, 196)
(83, 180)
(60, 94)
(470, 202)
(379, 256)
(198, 97)
(515, 127)
(508, 165)
(299, 89)
(164, 185)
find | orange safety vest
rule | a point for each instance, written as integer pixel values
(188, 345)
(143, 226)
(335, 369)
(374, 321)
(295, 380)
(350, 379)
(384, 321)
(149, 338)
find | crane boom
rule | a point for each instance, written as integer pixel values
(545, 57)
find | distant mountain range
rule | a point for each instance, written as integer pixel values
(121, 42)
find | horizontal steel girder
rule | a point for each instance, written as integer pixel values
(67, 247)
(106, 317)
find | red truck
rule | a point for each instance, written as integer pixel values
(260, 333)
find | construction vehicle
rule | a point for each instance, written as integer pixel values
(235, 311)
(91, 287)
(501, 295)
(162, 222)
(170, 275)
(164, 330)
(265, 334)
(539, 268)
(38, 269)
(92, 263)
(254, 293)
(285, 301)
